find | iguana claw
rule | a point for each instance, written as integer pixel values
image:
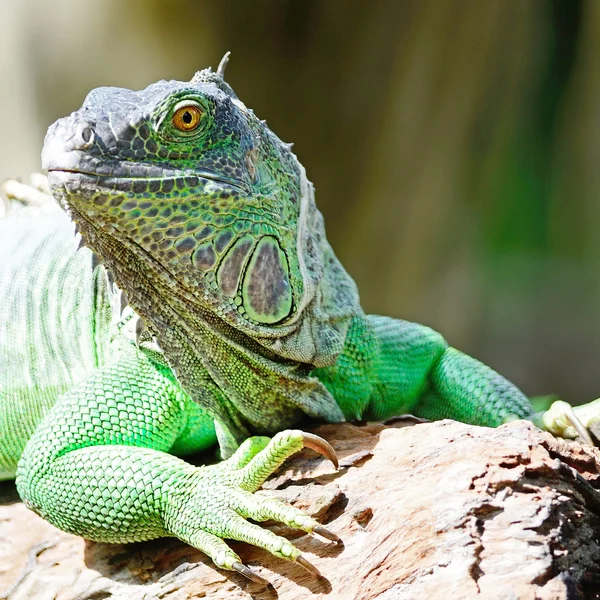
(250, 574)
(328, 535)
(323, 447)
(308, 566)
(582, 432)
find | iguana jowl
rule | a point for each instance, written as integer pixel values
(207, 221)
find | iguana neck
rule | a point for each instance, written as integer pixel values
(243, 381)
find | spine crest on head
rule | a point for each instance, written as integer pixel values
(223, 65)
(218, 78)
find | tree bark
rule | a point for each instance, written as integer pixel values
(436, 510)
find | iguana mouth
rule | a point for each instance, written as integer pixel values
(122, 182)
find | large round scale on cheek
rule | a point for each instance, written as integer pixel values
(232, 265)
(266, 291)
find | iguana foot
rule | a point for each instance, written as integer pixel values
(214, 502)
(563, 420)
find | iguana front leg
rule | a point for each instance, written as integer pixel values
(389, 367)
(98, 467)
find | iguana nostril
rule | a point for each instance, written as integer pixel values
(84, 136)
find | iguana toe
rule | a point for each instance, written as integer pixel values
(259, 508)
(285, 443)
(563, 420)
(213, 503)
(247, 451)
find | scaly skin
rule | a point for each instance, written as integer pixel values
(55, 323)
(207, 221)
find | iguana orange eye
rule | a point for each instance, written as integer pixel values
(187, 118)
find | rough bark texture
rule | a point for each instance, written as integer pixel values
(437, 510)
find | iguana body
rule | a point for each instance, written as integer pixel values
(207, 221)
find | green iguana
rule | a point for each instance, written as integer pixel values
(249, 325)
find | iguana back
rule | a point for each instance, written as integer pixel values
(54, 322)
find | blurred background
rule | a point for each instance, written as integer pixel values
(454, 145)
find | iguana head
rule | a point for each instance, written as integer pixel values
(186, 179)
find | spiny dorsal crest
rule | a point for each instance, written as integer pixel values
(218, 78)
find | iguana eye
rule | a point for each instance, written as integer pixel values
(187, 117)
